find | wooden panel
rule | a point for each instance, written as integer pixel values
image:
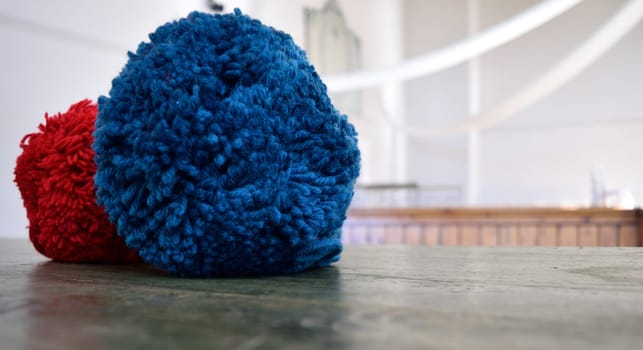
(449, 235)
(489, 235)
(546, 235)
(347, 233)
(493, 213)
(393, 234)
(587, 235)
(375, 235)
(608, 235)
(470, 235)
(508, 235)
(491, 226)
(568, 235)
(628, 236)
(431, 235)
(527, 235)
(355, 234)
(413, 235)
(639, 226)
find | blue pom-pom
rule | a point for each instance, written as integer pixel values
(219, 152)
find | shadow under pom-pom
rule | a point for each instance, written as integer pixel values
(55, 176)
(219, 152)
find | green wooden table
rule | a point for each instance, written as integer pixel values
(376, 297)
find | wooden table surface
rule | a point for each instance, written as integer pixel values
(376, 297)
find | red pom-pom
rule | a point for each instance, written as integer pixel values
(55, 175)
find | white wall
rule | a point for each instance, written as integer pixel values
(55, 53)
(437, 99)
(544, 154)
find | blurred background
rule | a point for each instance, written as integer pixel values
(551, 117)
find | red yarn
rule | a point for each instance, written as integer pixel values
(55, 175)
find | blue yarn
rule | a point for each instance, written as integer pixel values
(219, 152)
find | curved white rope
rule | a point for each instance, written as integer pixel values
(614, 29)
(453, 54)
